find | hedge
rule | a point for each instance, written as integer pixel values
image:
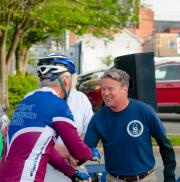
(19, 85)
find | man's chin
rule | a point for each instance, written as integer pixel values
(108, 104)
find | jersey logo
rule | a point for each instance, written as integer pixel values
(135, 128)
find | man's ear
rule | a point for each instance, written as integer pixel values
(66, 81)
(125, 89)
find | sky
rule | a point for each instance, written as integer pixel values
(165, 9)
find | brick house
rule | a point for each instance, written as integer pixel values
(163, 41)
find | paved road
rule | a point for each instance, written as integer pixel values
(172, 128)
(169, 116)
(171, 122)
(159, 166)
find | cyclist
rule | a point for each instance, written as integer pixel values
(81, 109)
(37, 121)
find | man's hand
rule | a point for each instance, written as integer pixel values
(80, 176)
(96, 155)
(72, 161)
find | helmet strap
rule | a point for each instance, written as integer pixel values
(66, 93)
(70, 86)
(63, 88)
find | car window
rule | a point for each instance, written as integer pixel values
(178, 72)
(167, 72)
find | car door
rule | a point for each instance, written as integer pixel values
(168, 84)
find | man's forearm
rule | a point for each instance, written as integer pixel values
(168, 158)
(75, 145)
(61, 148)
(59, 163)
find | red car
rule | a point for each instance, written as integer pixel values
(167, 87)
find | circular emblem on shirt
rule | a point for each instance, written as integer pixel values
(135, 128)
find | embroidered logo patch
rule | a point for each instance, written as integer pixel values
(135, 128)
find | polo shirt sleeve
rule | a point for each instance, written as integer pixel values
(165, 147)
(92, 136)
(156, 127)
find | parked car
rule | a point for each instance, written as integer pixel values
(167, 87)
(94, 75)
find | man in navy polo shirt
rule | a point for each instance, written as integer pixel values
(125, 127)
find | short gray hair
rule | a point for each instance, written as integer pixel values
(49, 83)
(116, 74)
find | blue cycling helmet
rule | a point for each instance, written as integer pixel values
(52, 65)
(55, 63)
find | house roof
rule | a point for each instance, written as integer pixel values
(164, 25)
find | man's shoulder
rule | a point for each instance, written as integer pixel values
(77, 93)
(44, 92)
(45, 97)
(141, 105)
(102, 112)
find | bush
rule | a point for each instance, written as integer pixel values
(19, 85)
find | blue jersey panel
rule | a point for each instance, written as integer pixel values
(38, 110)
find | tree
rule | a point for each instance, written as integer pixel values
(100, 19)
(13, 17)
(108, 60)
(26, 22)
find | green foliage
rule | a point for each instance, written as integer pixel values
(19, 86)
(24, 23)
(175, 140)
(35, 21)
(52, 18)
(108, 60)
(31, 60)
